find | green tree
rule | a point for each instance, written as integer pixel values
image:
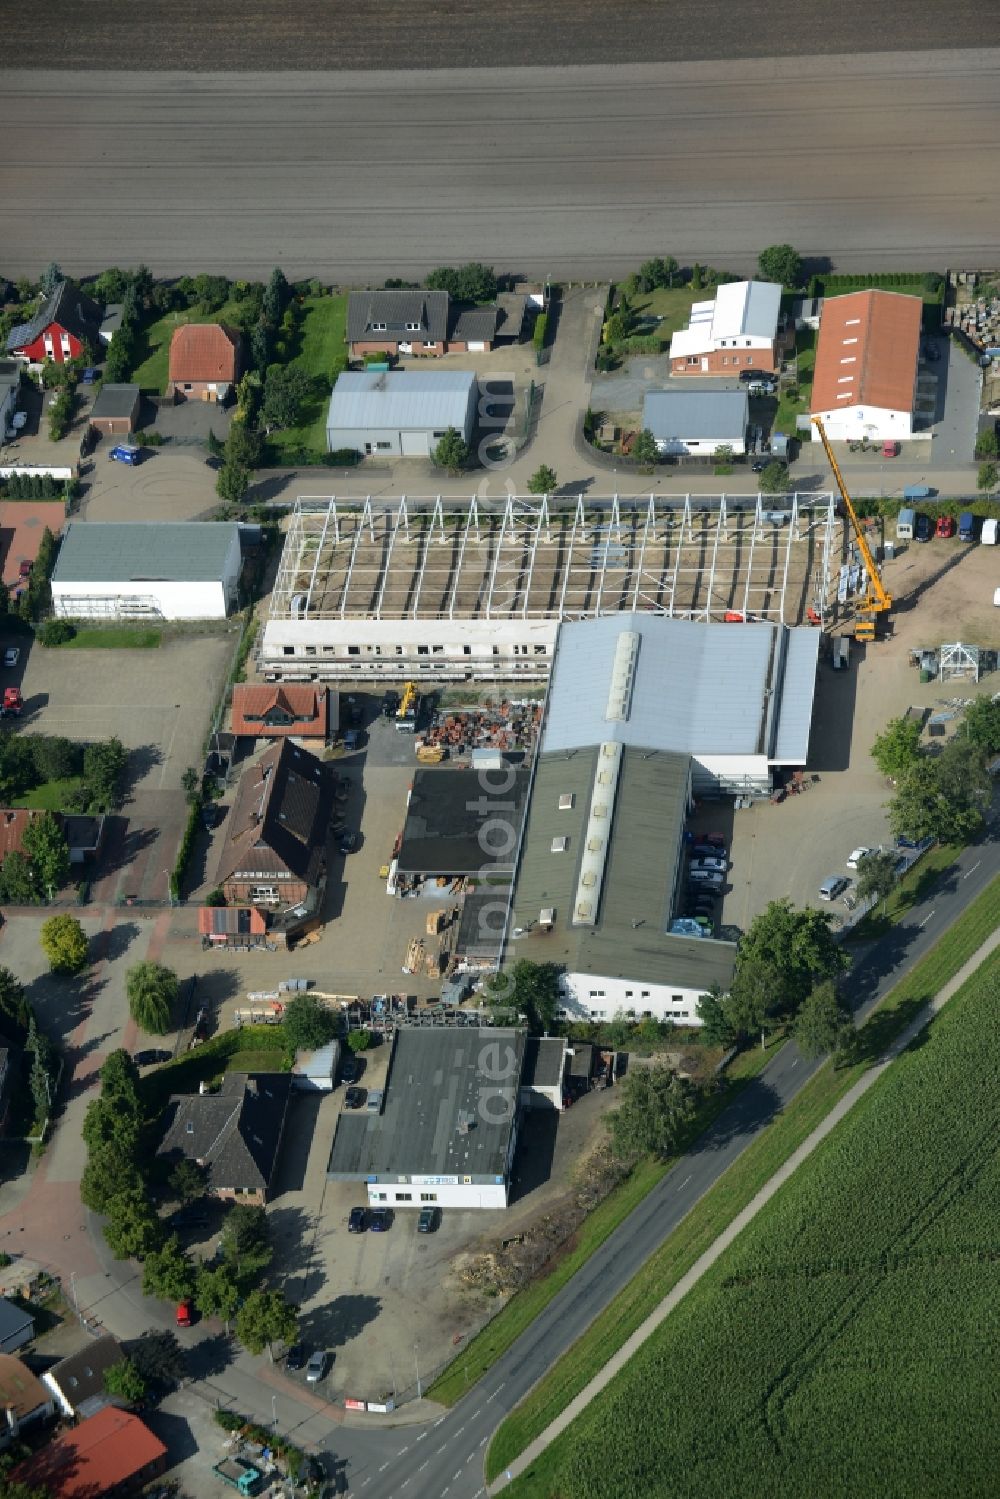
(18, 885)
(152, 993)
(877, 876)
(543, 480)
(987, 443)
(452, 451)
(988, 477)
(47, 851)
(774, 478)
(716, 1027)
(211, 291)
(697, 281)
(51, 277)
(943, 798)
(120, 1081)
(531, 989)
(309, 1023)
(217, 1292)
(823, 1023)
(654, 273)
(616, 328)
(132, 1229)
(358, 1041)
(232, 482)
(275, 299)
(14, 1488)
(645, 451)
(781, 263)
(723, 456)
(981, 724)
(783, 954)
(215, 445)
(244, 1241)
(124, 1380)
(191, 784)
(244, 445)
(656, 1107)
(261, 346)
(14, 1008)
(107, 1174)
(168, 1272)
(188, 1181)
(266, 1318)
(64, 943)
(104, 765)
(897, 749)
(159, 1358)
(286, 387)
(466, 283)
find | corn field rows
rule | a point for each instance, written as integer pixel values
(847, 1343)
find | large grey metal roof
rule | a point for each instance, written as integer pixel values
(144, 551)
(433, 1122)
(630, 937)
(798, 689)
(699, 689)
(719, 414)
(400, 399)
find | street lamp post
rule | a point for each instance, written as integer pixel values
(274, 1414)
(72, 1287)
(416, 1365)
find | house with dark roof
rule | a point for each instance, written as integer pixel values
(204, 362)
(115, 413)
(76, 1383)
(292, 710)
(10, 387)
(23, 1398)
(234, 1134)
(17, 1326)
(275, 849)
(419, 323)
(111, 1453)
(66, 324)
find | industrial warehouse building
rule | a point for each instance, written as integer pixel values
(474, 589)
(462, 822)
(400, 413)
(147, 570)
(643, 714)
(694, 423)
(867, 362)
(447, 1130)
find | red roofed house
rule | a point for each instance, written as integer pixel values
(269, 711)
(865, 375)
(204, 362)
(110, 1453)
(13, 823)
(63, 328)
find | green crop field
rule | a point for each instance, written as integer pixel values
(845, 1344)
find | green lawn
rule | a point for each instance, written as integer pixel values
(203, 1064)
(789, 409)
(844, 1344)
(320, 350)
(508, 1325)
(672, 304)
(259, 1061)
(52, 796)
(732, 1192)
(151, 374)
(115, 638)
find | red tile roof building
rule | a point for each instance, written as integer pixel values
(110, 1453)
(204, 361)
(272, 711)
(865, 376)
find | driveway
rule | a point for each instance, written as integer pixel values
(960, 383)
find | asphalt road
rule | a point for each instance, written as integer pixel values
(370, 34)
(446, 1458)
(873, 160)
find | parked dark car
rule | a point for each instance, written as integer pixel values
(753, 374)
(428, 1221)
(354, 710)
(348, 843)
(390, 703)
(380, 1220)
(210, 816)
(354, 1098)
(923, 528)
(350, 1069)
(357, 1221)
(295, 1358)
(150, 1058)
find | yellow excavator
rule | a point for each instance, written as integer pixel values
(876, 601)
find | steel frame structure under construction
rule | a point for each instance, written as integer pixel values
(542, 558)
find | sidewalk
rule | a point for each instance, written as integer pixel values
(763, 1197)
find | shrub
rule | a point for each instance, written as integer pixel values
(344, 457)
(540, 331)
(56, 632)
(185, 850)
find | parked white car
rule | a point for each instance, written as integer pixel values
(859, 856)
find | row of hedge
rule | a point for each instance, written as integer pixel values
(185, 850)
(929, 285)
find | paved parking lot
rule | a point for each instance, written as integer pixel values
(171, 483)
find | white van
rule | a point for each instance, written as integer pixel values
(841, 652)
(988, 535)
(905, 521)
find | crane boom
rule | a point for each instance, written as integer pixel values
(880, 601)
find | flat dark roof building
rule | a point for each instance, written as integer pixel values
(459, 822)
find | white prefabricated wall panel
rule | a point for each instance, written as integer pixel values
(97, 600)
(590, 996)
(850, 423)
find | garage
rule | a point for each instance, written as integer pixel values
(115, 413)
(400, 413)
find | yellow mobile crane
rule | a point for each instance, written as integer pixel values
(876, 601)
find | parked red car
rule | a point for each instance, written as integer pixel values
(945, 527)
(184, 1314)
